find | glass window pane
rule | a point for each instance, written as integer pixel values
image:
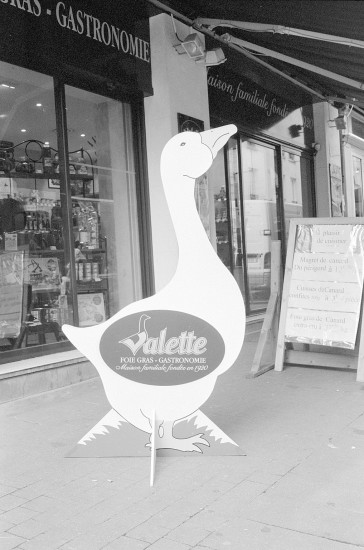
(358, 186)
(103, 188)
(33, 290)
(260, 217)
(235, 213)
(292, 188)
(216, 180)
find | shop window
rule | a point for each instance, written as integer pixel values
(358, 185)
(103, 188)
(220, 232)
(357, 127)
(292, 189)
(46, 280)
(33, 263)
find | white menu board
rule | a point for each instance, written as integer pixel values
(324, 298)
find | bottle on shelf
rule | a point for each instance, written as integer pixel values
(83, 226)
(94, 227)
(47, 158)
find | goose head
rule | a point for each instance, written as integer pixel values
(191, 154)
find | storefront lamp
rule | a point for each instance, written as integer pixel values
(193, 46)
(214, 57)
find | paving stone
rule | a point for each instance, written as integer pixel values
(177, 513)
(6, 489)
(318, 519)
(18, 515)
(188, 534)
(125, 543)
(27, 529)
(264, 477)
(234, 501)
(171, 517)
(167, 544)
(208, 519)
(10, 501)
(34, 490)
(8, 542)
(258, 536)
(149, 531)
(40, 504)
(97, 536)
(48, 541)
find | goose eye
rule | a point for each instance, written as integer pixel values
(182, 144)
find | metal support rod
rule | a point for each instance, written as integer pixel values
(244, 52)
(65, 191)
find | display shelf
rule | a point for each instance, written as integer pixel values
(91, 286)
(46, 290)
(47, 176)
(60, 251)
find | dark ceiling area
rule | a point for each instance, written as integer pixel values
(331, 66)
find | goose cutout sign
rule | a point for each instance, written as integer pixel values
(159, 358)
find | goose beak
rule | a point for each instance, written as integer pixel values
(216, 138)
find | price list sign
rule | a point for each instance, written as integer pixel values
(324, 299)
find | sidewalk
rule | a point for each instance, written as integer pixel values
(299, 486)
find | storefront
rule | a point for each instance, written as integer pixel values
(74, 207)
(266, 175)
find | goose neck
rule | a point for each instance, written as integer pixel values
(190, 233)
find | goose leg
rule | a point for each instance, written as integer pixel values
(166, 440)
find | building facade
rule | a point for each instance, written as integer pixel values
(87, 103)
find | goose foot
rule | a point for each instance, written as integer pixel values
(165, 440)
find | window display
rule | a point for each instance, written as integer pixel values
(59, 264)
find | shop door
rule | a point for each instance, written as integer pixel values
(258, 188)
(246, 219)
(260, 218)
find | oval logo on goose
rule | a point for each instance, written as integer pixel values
(162, 347)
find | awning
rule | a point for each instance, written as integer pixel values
(317, 44)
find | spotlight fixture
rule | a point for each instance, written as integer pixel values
(193, 46)
(214, 57)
